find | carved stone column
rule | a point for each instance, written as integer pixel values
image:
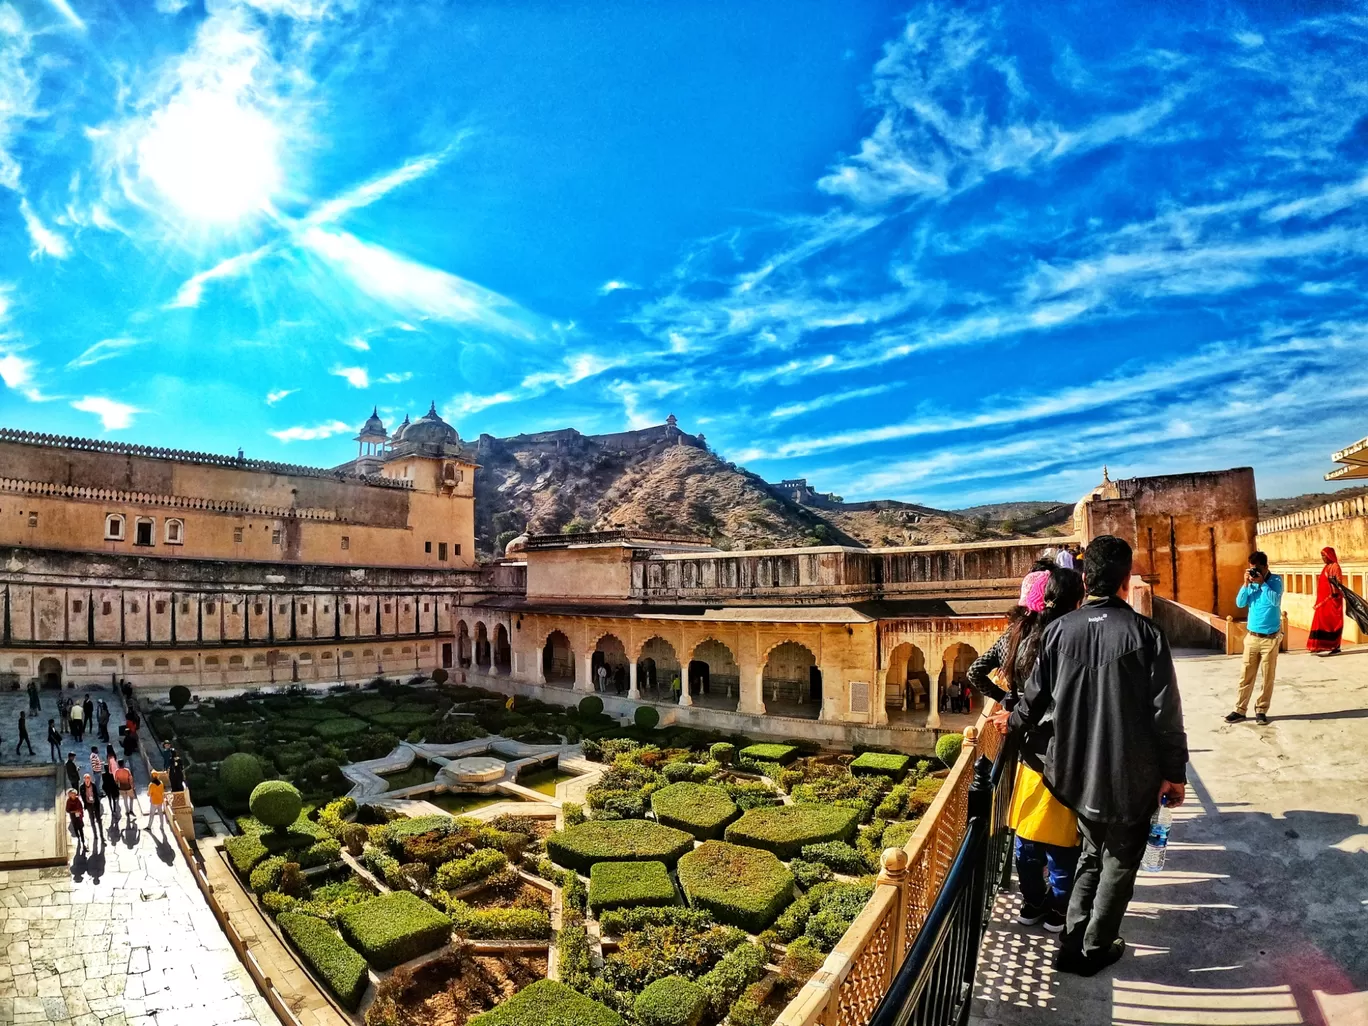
(632, 691)
(752, 698)
(933, 699)
(584, 681)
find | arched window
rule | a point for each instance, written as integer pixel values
(114, 527)
(175, 532)
(144, 528)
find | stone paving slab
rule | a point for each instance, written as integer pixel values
(29, 821)
(14, 702)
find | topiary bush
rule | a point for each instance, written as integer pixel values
(723, 752)
(647, 717)
(621, 840)
(440, 676)
(276, 803)
(701, 809)
(785, 829)
(244, 852)
(266, 876)
(923, 794)
(179, 696)
(240, 773)
(882, 764)
(208, 748)
(741, 886)
(624, 884)
(808, 874)
(341, 727)
(496, 923)
(948, 748)
(393, 928)
(590, 705)
(339, 966)
(548, 1003)
(626, 920)
(740, 968)
(782, 754)
(477, 865)
(898, 834)
(672, 1001)
(837, 856)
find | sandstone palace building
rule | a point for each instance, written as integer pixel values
(160, 567)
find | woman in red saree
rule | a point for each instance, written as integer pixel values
(1327, 622)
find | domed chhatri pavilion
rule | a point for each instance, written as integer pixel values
(428, 436)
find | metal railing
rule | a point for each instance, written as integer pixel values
(935, 985)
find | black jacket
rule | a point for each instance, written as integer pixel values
(1106, 674)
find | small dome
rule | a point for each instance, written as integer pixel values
(431, 429)
(516, 545)
(374, 425)
(399, 431)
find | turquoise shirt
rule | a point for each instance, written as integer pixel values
(1264, 602)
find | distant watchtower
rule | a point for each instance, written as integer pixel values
(371, 444)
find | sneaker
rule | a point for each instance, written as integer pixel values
(1030, 915)
(1110, 955)
(1260, 717)
(1054, 921)
(1236, 717)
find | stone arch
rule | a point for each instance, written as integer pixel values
(50, 672)
(610, 654)
(713, 676)
(558, 660)
(503, 650)
(907, 685)
(462, 644)
(657, 667)
(483, 651)
(791, 681)
(954, 677)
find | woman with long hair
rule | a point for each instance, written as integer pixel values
(1327, 620)
(1046, 830)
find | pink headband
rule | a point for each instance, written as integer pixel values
(1033, 590)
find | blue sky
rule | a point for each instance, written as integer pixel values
(953, 253)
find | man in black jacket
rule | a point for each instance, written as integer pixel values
(1118, 746)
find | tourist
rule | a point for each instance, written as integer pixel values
(77, 717)
(601, 676)
(90, 798)
(102, 718)
(1327, 619)
(88, 712)
(54, 742)
(156, 796)
(676, 688)
(96, 764)
(64, 711)
(111, 756)
(76, 815)
(1046, 829)
(1119, 749)
(123, 779)
(23, 734)
(1065, 557)
(33, 696)
(177, 775)
(1262, 595)
(110, 787)
(167, 754)
(73, 772)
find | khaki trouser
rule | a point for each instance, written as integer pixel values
(1260, 658)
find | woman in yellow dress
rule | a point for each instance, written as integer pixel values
(1046, 830)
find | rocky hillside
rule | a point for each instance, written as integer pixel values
(1295, 504)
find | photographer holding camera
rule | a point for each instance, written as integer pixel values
(1262, 595)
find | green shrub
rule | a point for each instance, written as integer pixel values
(496, 923)
(782, 754)
(723, 752)
(393, 928)
(622, 884)
(623, 805)
(741, 886)
(548, 1003)
(626, 920)
(385, 866)
(808, 874)
(894, 766)
(245, 851)
(647, 717)
(179, 696)
(825, 912)
(655, 952)
(573, 813)
(724, 983)
(673, 1001)
(333, 816)
(785, 829)
(328, 955)
(239, 773)
(276, 803)
(894, 803)
(321, 853)
(750, 1009)
(869, 844)
(702, 809)
(948, 748)
(266, 876)
(751, 794)
(574, 954)
(923, 794)
(837, 856)
(209, 748)
(623, 840)
(677, 771)
(802, 958)
(590, 705)
(898, 834)
(341, 727)
(404, 720)
(476, 866)
(402, 830)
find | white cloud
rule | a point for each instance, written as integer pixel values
(274, 397)
(312, 434)
(395, 377)
(18, 89)
(15, 370)
(105, 349)
(368, 192)
(192, 289)
(358, 343)
(822, 402)
(1327, 201)
(114, 415)
(64, 9)
(46, 242)
(468, 403)
(357, 377)
(575, 370)
(614, 286)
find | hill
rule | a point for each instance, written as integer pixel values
(1296, 503)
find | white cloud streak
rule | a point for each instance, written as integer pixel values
(105, 349)
(114, 415)
(281, 393)
(46, 242)
(357, 377)
(311, 434)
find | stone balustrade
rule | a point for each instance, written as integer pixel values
(113, 495)
(1343, 509)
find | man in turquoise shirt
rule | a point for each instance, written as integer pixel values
(1262, 596)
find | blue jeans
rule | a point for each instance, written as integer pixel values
(1032, 859)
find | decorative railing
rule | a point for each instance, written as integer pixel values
(184, 456)
(116, 495)
(1344, 509)
(857, 973)
(560, 541)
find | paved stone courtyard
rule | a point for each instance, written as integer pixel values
(27, 811)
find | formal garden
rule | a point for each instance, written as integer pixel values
(703, 879)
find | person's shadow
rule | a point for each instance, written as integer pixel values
(164, 850)
(95, 865)
(79, 865)
(131, 833)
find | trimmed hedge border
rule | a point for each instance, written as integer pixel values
(701, 809)
(617, 840)
(393, 928)
(740, 886)
(548, 1003)
(671, 1001)
(882, 764)
(782, 754)
(626, 884)
(342, 969)
(786, 829)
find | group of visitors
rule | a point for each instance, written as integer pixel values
(1088, 691)
(111, 782)
(956, 697)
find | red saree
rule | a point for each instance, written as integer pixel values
(1327, 622)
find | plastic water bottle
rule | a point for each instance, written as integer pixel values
(1156, 848)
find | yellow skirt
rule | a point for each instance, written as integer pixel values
(1037, 815)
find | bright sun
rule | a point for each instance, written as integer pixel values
(212, 156)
